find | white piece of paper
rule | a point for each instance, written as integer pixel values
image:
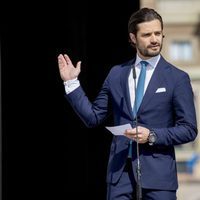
(119, 130)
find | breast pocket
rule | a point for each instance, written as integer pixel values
(161, 97)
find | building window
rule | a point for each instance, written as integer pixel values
(181, 51)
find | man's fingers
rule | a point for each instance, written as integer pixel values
(130, 136)
(67, 59)
(61, 61)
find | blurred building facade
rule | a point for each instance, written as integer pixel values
(182, 48)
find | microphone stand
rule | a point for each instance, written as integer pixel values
(138, 169)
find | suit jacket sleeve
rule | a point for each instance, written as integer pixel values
(91, 113)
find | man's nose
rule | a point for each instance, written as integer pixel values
(153, 38)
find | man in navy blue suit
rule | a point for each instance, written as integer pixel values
(165, 117)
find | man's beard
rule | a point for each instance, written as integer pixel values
(147, 53)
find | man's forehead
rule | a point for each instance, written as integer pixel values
(150, 26)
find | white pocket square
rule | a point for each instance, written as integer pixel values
(159, 90)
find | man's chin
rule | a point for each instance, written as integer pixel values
(152, 54)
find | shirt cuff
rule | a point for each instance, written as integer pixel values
(71, 85)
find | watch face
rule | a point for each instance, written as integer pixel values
(152, 138)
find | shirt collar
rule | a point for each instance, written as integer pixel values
(152, 61)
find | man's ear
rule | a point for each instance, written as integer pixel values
(132, 38)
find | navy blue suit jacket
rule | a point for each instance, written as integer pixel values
(170, 113)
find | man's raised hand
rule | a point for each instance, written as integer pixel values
(67, 69)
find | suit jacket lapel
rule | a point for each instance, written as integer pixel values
(125, 87)
(155, 82)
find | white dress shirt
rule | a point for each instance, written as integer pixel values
(71, 85)
(152, 63)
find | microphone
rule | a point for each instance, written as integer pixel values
(134, 75)
(138, 170)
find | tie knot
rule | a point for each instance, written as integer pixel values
(144, 63)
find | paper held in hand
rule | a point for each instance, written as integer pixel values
(118, 130)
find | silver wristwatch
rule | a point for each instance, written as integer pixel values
(151, 138)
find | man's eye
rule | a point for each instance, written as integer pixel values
(158, 34)
(147, 35)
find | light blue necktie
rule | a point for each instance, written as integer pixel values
(140, 87)
(139, 95)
